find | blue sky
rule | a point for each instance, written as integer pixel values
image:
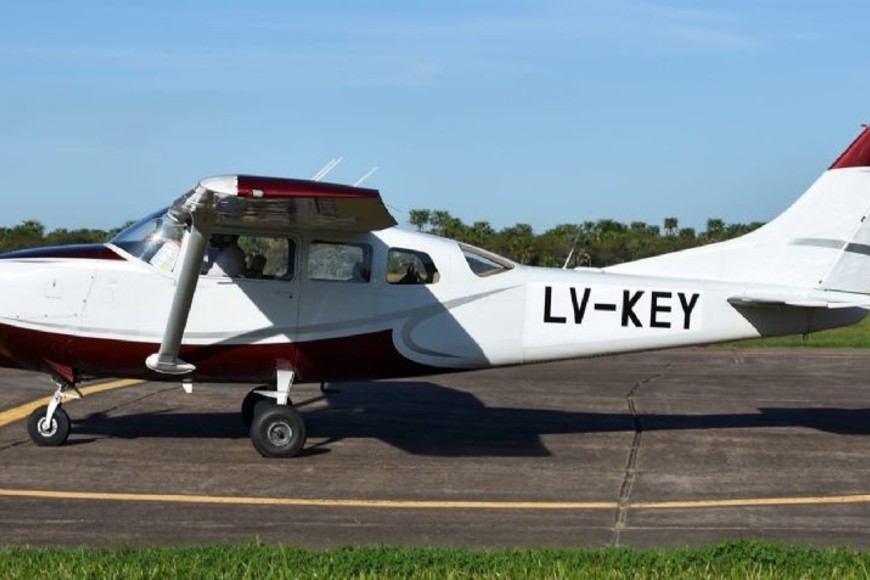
(541, 111)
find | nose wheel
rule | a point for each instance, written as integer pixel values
(48, 432)
(48, 426)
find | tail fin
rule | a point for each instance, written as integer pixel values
(821, 242)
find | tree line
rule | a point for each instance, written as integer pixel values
(592, 243)
(32, 234)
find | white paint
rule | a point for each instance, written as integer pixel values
(762, 284)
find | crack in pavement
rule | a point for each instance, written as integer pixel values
(624, 497)
(15, 443)
(138, 399)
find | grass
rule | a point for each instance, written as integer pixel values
(855, 336)
(731, 559)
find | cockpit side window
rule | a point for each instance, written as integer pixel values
(484, 263)
(250, 257)
(157, 238)
(410, 267)
(339, 262)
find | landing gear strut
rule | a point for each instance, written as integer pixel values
(49, 425)
(276, 428)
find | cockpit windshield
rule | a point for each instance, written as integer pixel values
(155, 239)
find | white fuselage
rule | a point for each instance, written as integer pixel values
(103, 316)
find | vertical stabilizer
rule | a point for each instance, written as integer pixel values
(821, 242)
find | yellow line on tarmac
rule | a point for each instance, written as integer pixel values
(22, 411)
(302, 502)
(750, 502)
(430, 504)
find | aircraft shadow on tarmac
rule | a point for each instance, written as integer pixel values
(424, 418)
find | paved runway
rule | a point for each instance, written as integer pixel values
(658, 449)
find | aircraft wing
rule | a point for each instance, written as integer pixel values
(264, 204)
(250, 202)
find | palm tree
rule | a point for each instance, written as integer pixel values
(419, 218)
(715, 228)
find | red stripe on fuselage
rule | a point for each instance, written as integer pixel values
(361, 357)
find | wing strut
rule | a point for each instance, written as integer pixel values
(166, 360)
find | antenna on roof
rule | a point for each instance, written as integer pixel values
(573, 247)
(327, 168)
(366, 176)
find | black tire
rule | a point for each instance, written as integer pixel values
(252, 402)
(277, 431)
(52, 436)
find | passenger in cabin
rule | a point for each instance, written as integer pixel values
(256, 266)
(225, 257)
(412, 276)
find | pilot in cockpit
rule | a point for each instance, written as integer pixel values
(224, 256)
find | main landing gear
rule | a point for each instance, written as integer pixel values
(49, 425)
(276, 427)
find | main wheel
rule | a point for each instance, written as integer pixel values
(277, 431)
(48, 433)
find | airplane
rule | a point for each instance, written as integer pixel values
(333, 290)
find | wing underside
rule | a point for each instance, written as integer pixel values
(245, 202)
(256, 204)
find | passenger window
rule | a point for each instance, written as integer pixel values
(410, 267)
(484, 263)
(339, 262)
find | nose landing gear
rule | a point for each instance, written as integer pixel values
(49, 425)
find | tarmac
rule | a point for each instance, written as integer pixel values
(663, 449)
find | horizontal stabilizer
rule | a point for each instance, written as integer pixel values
(812, 300)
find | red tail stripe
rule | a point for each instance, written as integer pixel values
(857, 154)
